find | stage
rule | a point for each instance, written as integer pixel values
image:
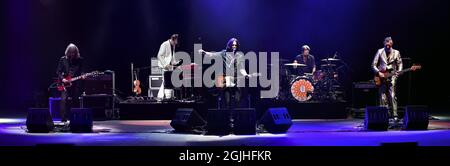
(152, 110)
(303, 132)
(153, 80)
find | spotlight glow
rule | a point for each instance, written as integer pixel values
(11, 120)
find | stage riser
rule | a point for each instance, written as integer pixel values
(166, 111)
(155, 111)
(311, 110)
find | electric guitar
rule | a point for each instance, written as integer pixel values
(389, 73)
(173, 66)
(61, 86)
(224, 81)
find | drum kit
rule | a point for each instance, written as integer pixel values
(322, 85)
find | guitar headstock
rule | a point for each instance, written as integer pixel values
(96, 73)
(92, 74)
(415, 67)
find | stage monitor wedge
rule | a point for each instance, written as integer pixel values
(39, 120)
(186, 120)
(276, 120)
(81, 120)
(416, 118)
(376, 118)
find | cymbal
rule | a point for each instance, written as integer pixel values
(330, 59)
(295, 64)
(328, 65)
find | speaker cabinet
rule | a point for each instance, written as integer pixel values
(416, 118)
(39, 120)
(376, 118)
(186, 119)
(81, 120)
(276, 120)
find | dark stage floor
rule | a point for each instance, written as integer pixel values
(305, 132)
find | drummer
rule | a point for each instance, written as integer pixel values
(306, 59)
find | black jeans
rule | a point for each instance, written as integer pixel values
(230, 98)
(67, 100)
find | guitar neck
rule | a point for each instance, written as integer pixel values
(76, 78)
(79, 77)
(405, 70)
(400, 72)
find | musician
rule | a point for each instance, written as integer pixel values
(233, 63)
(307, 59)
(166, 61)
(69, 65)
(385, 59)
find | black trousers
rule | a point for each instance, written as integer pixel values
(68, 99)
(230, 98)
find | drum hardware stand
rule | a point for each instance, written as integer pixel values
(330, 81)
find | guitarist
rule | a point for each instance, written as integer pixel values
(167, 62)
(388, 59)
(69, 65)
(233, 65)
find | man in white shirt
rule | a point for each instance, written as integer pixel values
(166, 61)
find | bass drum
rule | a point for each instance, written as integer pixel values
(302, 89)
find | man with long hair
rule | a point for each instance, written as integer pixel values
(233, 65)
(69, 65)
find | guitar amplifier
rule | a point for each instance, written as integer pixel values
(102, 106)
(104, 83)
(154, 83)
(155, 70)
(364, 94)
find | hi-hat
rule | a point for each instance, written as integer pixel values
(328, 65)
(330, 59)
(295, 64)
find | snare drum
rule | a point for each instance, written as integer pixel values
(302, 89)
